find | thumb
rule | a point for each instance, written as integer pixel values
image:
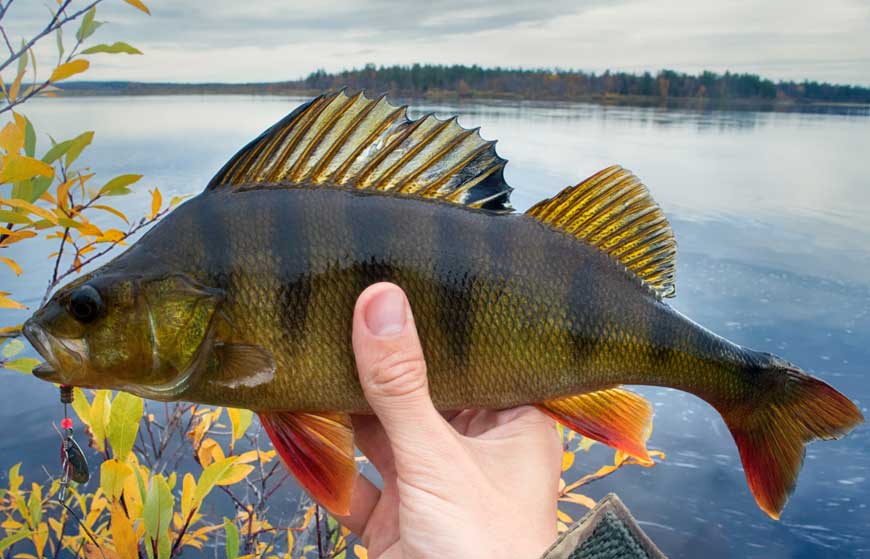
(392, 372)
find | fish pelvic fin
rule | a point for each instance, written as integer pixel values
(614, 212)
(615, 417)
(318, 449)
(352, 141)
(771, 435)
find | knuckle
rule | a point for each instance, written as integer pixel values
(396, 374)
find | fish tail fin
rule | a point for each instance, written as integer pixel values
(771, 434)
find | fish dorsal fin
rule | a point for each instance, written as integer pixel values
(614, 212)
(356, 142)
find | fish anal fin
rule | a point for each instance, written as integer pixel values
(354, 142)
(318, 449)
(614, 212)
(615, 417)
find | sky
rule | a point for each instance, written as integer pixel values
(274, 40)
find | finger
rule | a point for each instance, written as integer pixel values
(369, 436)
(363, 501)
(392, 373)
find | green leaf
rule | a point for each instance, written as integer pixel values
(23, 364)
(157, 513)
(241, 420)
(115, 48)
(124, 423)
(56, 151)
(59, 37)
(88, 25)
(34, 504)
(12, 348)
(210, 477)
(118, 185)
(14, 538)
(31, 189)
(29, 138)
(79, 143)
(232, 538)
(22, 60)
(99, 416)
(7, 216)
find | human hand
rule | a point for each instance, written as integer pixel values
(483, 484)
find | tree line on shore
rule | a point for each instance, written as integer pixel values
(428, 79)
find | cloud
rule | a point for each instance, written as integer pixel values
(273, 40)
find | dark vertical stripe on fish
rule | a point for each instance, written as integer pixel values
(216, 237)
(588, 297)
(456, 292)
(290, 243)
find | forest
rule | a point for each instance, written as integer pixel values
(426, 79)
(668, 87)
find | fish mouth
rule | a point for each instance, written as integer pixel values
(43, 343)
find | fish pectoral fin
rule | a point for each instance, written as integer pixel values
(615, 417)
(244, 364)
(318, 449)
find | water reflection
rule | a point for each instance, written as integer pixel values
(770, 211)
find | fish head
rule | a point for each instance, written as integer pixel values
(142, 334)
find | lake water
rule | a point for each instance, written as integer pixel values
(772, 215)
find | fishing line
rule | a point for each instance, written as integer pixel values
(74, 465)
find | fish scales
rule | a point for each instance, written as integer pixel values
(244, 296)
(548, 321)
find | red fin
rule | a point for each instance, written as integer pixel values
(318, 449)
(771, 435)
(615, 417)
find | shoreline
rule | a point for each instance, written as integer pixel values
(700, 104)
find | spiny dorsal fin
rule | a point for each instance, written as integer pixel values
(357, 142)
(614, 212)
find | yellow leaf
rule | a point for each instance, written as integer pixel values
(7, 303)
(236, 474)
(209, 451)
(17, 168)
(12, 138)
(68, 69)
(12, 264)
(564, 517)
(240, 419)
(34, 209)
(567, 460)
(138, 4)
(16, 236)
(156, 202)
(248, 457)
(266, 456)
(123, 536)
(188, 489)
(111, 236)
(579, 499)
(11, 329)
(113, 476)
(360, 552)
(100, 409)
(111, 210)
(16, 86)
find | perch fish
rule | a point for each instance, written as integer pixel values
(243, 297)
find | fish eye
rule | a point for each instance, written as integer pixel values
(85, 303)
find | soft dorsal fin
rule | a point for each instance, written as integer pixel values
(357, 142)
(614, 212)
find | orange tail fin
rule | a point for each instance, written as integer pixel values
(771, 435)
